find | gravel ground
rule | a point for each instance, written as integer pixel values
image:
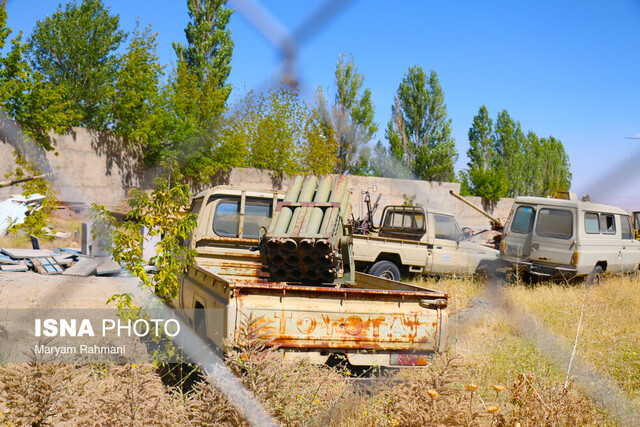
(33, 290)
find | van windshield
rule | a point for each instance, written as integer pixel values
(523, 219)
(555, 223)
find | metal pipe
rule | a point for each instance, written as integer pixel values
(309, 260)
(293, 259)
(306, 245)
(339, 189)
(284, 217)
(274, 245)
(459, 197)
(322, 195)
(325, 221)
(312, 274)
(276, 259)
(322, 246)
(292, 222)
(294, 189)
(308, 188)
(345, 207)
(296, 274)
(290, 245)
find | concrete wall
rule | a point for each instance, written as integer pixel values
(89, 167)
(434, 195)
(92, 167)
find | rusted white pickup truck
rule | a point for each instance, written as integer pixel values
(368, 320)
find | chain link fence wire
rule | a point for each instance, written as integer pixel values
(288, 43)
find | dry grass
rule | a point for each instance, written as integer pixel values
(492, 377)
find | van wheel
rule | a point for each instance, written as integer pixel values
(386, 270)
(595, 276)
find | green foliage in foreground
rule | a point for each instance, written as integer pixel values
(164, 212)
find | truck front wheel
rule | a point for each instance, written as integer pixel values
(386, 270)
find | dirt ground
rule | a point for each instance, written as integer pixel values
(33, 290)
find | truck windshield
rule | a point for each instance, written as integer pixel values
(523, 219)
(226, 220)
(555, 223)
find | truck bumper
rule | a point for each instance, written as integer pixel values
(548, 271)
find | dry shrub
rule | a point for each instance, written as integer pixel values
(293, 392)
(58, 393)
(37, 393)
(422, 396)
(535, 401)
(127, 395)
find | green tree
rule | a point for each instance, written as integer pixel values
(136, 104)
(508, 162)
(509, 145)
(75, 49)
(350, 117)
(482, 178)
(282, 133)
(195, 98)
(419, 132)
(192, 119)
(209, 45)
(36, 107)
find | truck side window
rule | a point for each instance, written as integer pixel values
(625, 228)
(256, 215)
(608, 224)
(555, 223)
(196, 206)
(446, 228)
(523, 219)
(226, 219)
(591, 223)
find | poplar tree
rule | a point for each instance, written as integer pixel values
(419, 132)
(350, 118)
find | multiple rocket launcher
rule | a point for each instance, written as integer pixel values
(306, 241)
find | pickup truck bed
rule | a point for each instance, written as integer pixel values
(397, 321)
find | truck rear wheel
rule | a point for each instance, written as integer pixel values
(386, 270)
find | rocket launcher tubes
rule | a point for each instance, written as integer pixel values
(303, 242)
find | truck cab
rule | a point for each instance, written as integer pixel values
(411, 239)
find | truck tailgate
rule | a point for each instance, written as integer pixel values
(345, 318)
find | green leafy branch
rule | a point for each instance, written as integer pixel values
(163, 213)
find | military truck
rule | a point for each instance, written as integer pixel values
(411, 239)
(567, 238)
(286, 259)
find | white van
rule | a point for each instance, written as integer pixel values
(563, 239)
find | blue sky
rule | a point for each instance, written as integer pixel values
(570, 69)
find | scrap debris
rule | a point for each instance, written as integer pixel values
(64, 261)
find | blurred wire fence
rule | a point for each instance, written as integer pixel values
(288, 42)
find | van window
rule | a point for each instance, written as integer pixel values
(523, 219)
(446, 227)
(555, 223)
(226, 218)
(591, 223)
(625, 228)
(607, 224)
(256, 215)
